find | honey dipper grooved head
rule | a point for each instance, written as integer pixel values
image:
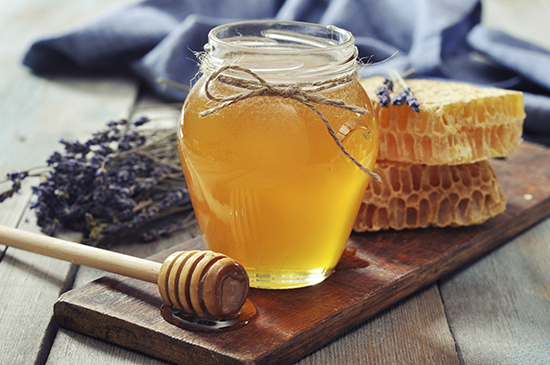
(203, 283)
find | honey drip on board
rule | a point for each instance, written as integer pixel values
(196, 323)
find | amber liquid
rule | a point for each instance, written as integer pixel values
(270, 187)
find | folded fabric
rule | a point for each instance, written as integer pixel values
(438, 38)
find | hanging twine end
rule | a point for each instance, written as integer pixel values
(374, 175)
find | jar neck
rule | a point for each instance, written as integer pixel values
(282, 51)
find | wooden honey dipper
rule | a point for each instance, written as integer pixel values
(202, 283)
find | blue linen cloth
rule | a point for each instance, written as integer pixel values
(438, 38)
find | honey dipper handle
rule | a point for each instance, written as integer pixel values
(81, 254)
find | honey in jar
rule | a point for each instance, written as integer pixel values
(270, 186)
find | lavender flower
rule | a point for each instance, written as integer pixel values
(413, 103)
(175, 196)
(110, 185)
(55, 158)
(141, 121)
(383, 93)
(74, 147)
(399, 99)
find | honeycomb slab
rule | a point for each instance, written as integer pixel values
(418, 196)
(458, 123)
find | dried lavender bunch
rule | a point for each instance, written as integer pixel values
(383, 93)
(116, 183)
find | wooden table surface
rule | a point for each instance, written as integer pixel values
(495, 310)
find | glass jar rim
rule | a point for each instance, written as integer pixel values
(282, 51)
(317, 44)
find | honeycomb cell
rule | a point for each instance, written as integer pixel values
(458, 123)
(471, 199)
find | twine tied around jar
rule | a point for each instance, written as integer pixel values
(306, 94)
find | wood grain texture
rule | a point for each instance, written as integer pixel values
(72, 348)
(412, 331)
(297, 322)
(38, 138)
(499, 308)
(35, 112)
(34, 109)
(12, 209)
(29, 281)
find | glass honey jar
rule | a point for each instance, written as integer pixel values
(276, 139)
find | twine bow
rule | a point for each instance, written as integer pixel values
(306, 94)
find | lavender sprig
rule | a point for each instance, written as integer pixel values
(15, 178)
(383, 93)
(112, 185)
(404, 96)
(412, 102)
(400, 98)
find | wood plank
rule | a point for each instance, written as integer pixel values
(29, 283)
(35, 112)
(32, 104)
(499, 308)
(412, 331)
(12, 209)
(71, 106)
(297, 322)
(73, 348)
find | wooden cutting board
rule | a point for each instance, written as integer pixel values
(290, 324)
